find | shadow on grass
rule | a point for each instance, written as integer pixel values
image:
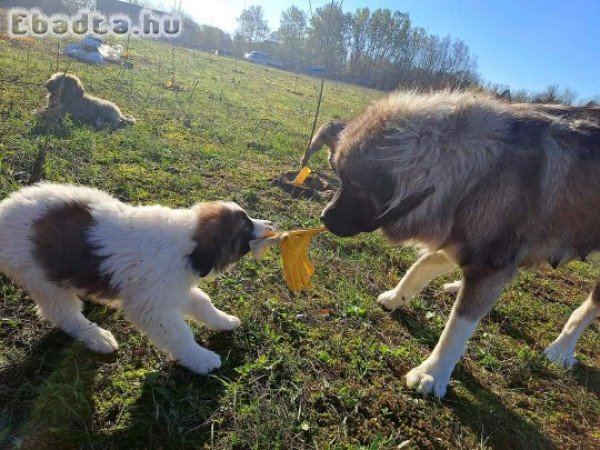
(56, 129)
(508, 327)
(485, 414)
(43, 393)
(587, 377)
(49, 399)
(175, 407)
(18, 381)
(482, 411)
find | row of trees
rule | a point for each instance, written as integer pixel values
(379, 49)
(551, 94)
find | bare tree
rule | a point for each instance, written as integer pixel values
(548, 95)
(568, 96)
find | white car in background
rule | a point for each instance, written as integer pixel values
(262, 58)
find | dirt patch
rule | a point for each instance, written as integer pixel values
(317, 185)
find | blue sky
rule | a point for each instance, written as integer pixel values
(521, 43)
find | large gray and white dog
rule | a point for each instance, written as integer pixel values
(477, 183)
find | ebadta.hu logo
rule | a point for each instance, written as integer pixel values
(34, 23)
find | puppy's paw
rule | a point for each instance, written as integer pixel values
(199, 360)
(97, 339)
(224, 322)
(393, 299)
(229, 323)
(453, 287)
(560, 356)
(427, 379)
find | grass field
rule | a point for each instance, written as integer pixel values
(319, 369)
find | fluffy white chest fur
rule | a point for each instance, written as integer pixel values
(62, 242)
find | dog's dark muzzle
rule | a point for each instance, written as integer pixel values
(342, 226)
(348, 215)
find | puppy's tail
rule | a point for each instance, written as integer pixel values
(326, 135)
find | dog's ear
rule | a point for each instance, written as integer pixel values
(207, 235)
(328, 135)
(405, 206)
(204, 258)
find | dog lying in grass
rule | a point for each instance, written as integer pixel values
(66, 96)
(62, 242)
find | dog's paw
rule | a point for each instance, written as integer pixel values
(393, 299)
(225, 322)
(427, 379)
(453, 287)
(560, 356)
(97, 340)
(199, 360)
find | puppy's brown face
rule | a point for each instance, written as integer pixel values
(67, 86)
(222, 235)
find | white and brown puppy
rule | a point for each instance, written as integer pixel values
(66, 96)
(479, 184)
(62, 242)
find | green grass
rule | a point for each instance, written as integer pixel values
(319, 369)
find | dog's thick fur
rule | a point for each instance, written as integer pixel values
(66, 96)
(62, 242)
(479, 184)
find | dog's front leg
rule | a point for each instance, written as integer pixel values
(167, 329)
(200, 308)
(426, 268)
(478, 294)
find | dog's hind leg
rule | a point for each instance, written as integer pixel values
(167, 329)
(428, 267)
(63, 309)
(562, 350)
(476, 298)
(200, 308)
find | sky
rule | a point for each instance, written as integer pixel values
(524, 44)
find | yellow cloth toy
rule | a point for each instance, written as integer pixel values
(301, 177)
(297, 268)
